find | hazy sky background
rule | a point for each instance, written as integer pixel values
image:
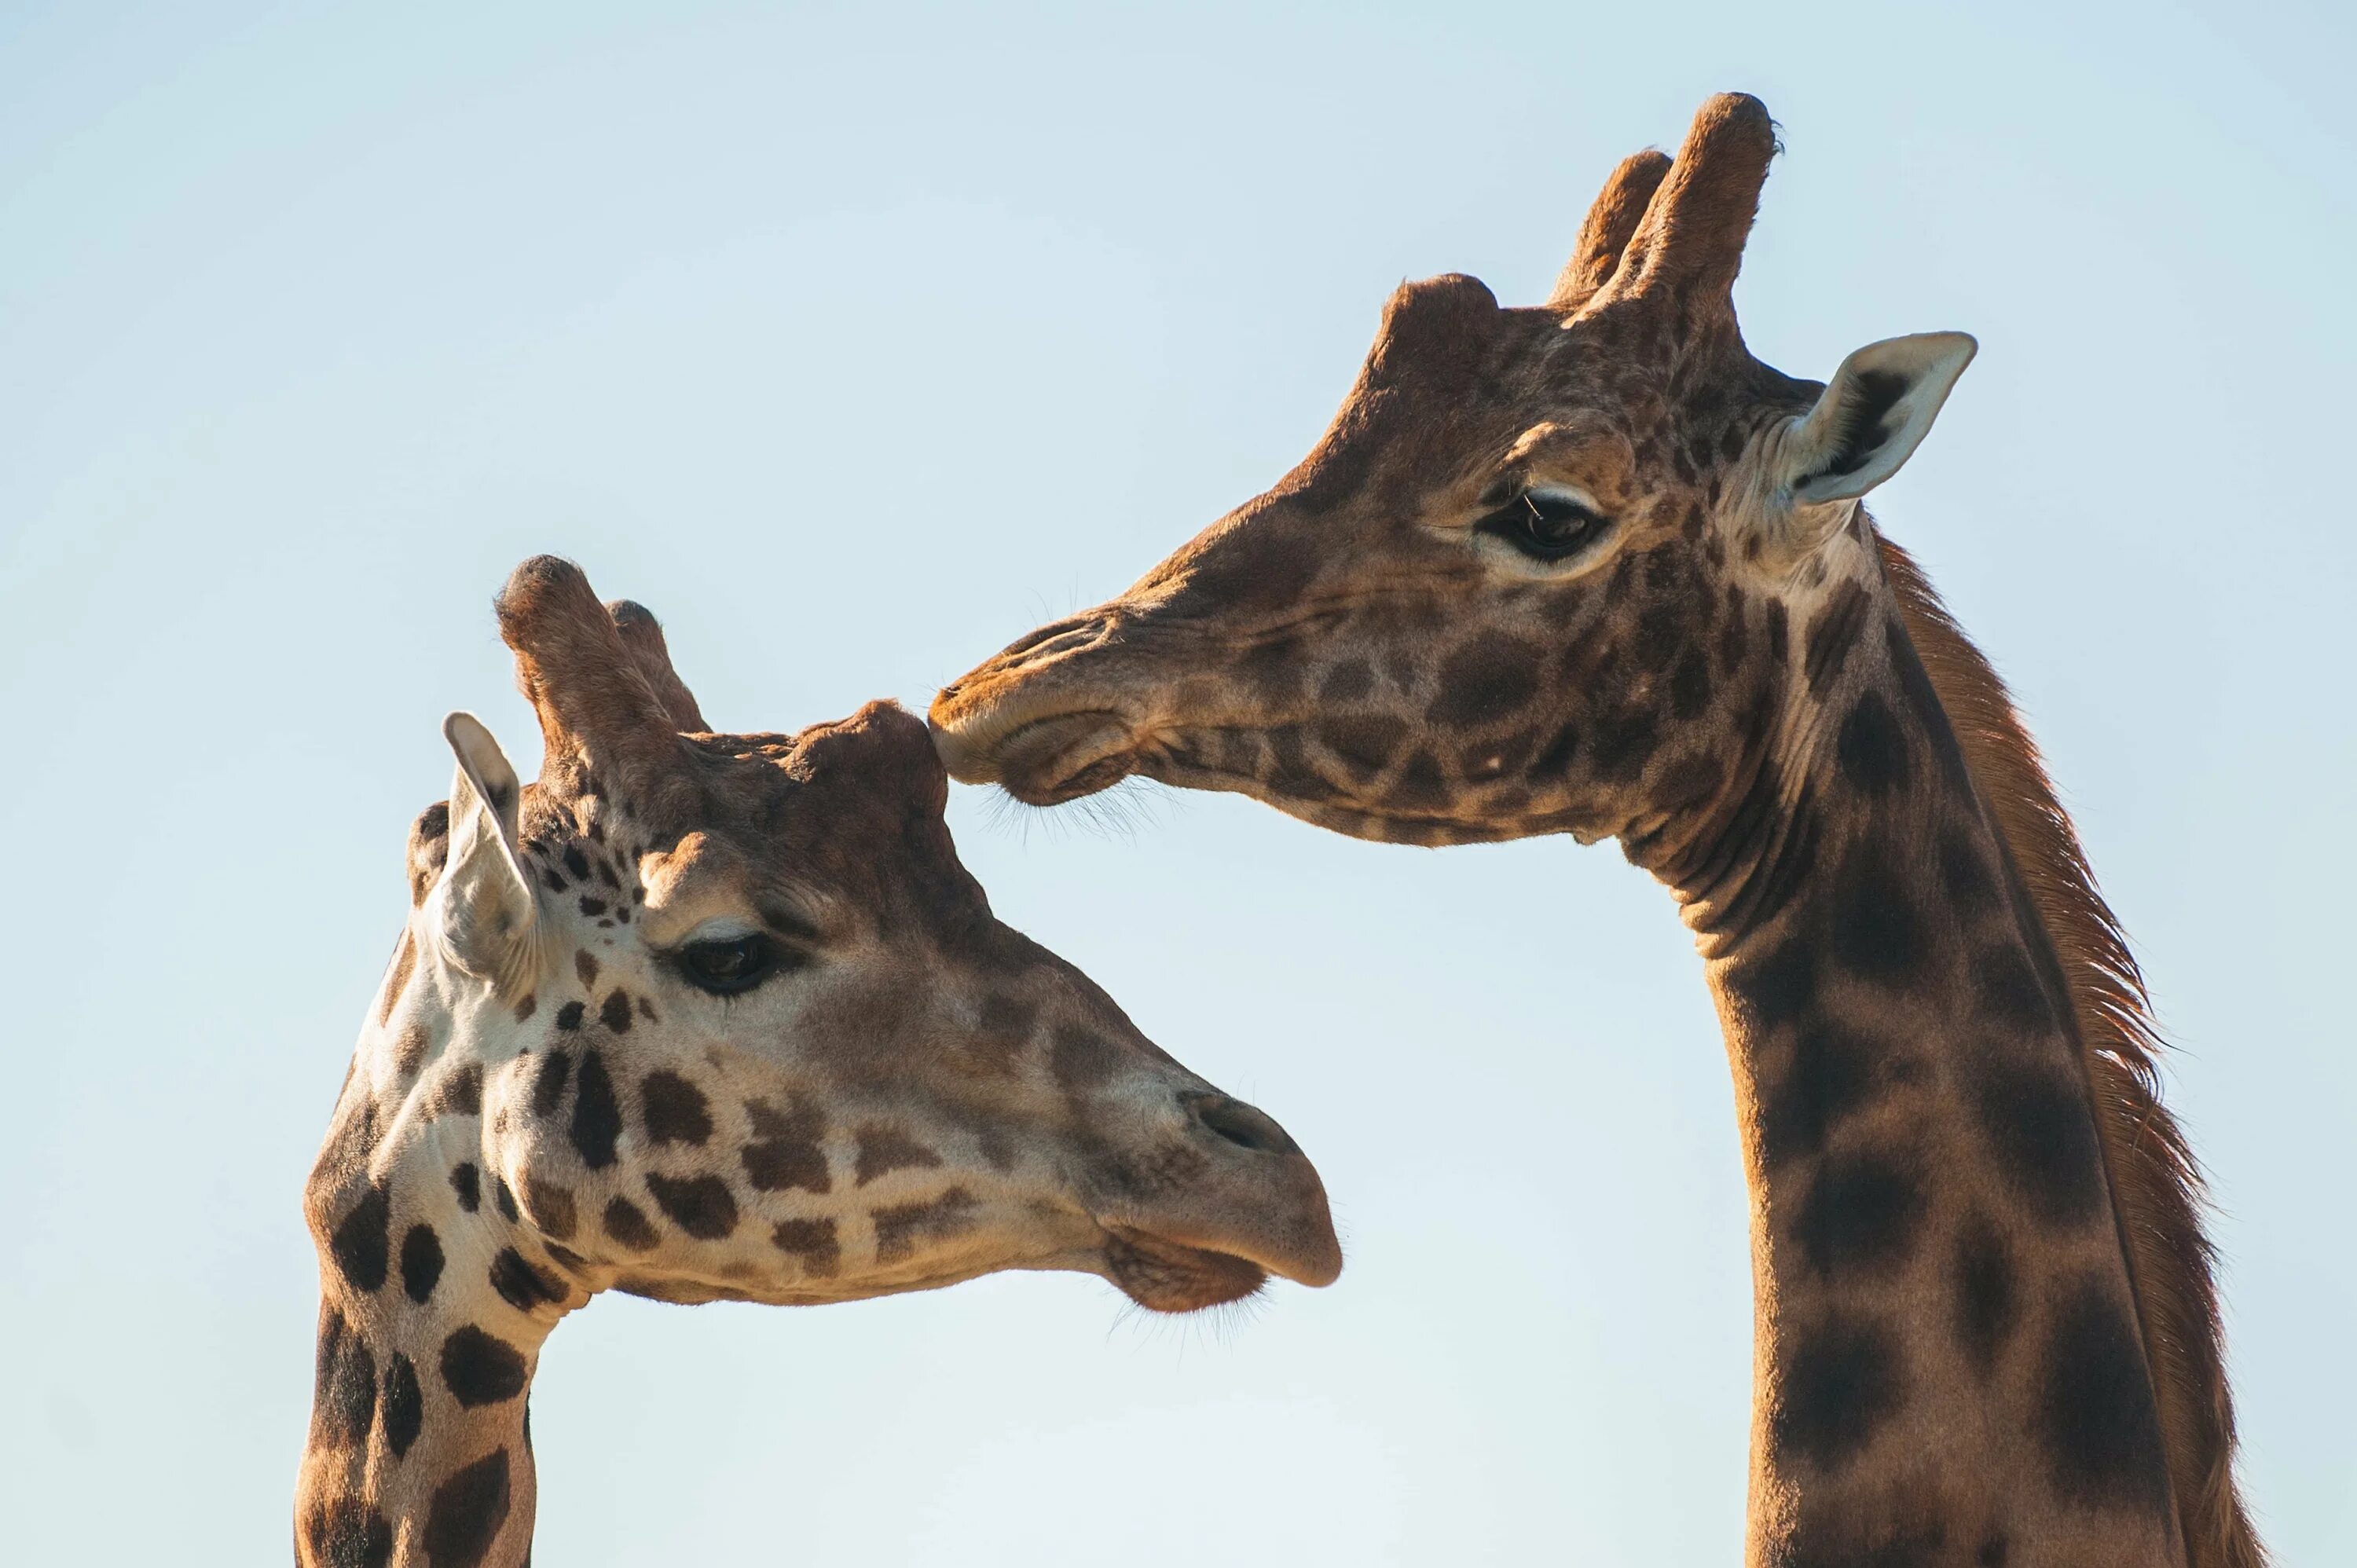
(856, 340)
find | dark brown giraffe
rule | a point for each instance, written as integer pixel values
(704, 1016)
(1591, 568)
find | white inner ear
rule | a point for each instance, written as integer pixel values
(484, 901)
(1875, 413)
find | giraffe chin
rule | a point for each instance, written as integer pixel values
(1050, 761)
(1163, 1275)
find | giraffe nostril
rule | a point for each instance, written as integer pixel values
(1243, 1125)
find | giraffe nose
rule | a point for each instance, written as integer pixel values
(1245, 1126)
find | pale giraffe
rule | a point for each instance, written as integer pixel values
(1591, 568)
(704, 1016)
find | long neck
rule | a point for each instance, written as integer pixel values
(1948, 1360)
(433, 1309)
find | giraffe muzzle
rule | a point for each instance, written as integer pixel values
(1254, 1208)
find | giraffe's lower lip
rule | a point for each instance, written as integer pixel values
(1162, 1275)
(1051, 760)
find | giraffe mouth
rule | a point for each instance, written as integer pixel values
(1050, 760)
(1163, 1275)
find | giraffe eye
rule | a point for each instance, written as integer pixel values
(1547, 525)
(731, 965)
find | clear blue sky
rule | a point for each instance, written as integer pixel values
(856, 339)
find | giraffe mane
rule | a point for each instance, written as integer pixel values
(2156, 1182)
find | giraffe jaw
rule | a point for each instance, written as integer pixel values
(1047, 761)
(1164, 1275)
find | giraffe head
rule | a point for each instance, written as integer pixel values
(701, 1016)
(706, 1016)
(1538, 576)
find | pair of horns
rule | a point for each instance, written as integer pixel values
(600, 676)
(1675, 229)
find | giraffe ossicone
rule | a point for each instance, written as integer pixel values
(1590, 568)
(703, 1016)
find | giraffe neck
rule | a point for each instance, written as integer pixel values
(434, 1305)
(1948, 1364)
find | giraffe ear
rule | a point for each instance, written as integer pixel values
(483, 903)
(1873, 415)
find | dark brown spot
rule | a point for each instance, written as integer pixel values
(882, 1150)
(343, 1403)
(466, 1182)
(1347, 682)
(1840, 1381)
(2010, 991)
(360, 1245)
(676, 1111)
(421, 1263)
(597, 1114)
(519, 1284)
(403, 1404)
(1081, 1058)
(1689, 686)
(1831, 634)
(1877, 933)
(1733, 636)
(2095, 1415)
(701, 1206)
(1661, 633)
(625, 1223)
(1363, 744)
(2043, 1132)
(586, 967)
(409, 1051)
(1965, 873)
(1620, 744)
(786, 1152)
(1553, 762)
(1002, 1031)
(1871, 748)
(812, 1241)
(1777, 987)
(1271, 670)
(548, 1082)
(899, 1229)
(616, 1012)
(1863, 1213)
(346, 1532)
(568, 1018)
(1490, 679)
(1987, 1297)
(1420, 787)
(461, 1093)
(550, 1205)
(1923, 700)
(1831, 1075)
(1290, 773)
(464, 1518)
(481, 1369)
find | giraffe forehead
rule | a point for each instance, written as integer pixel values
(707, 877)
